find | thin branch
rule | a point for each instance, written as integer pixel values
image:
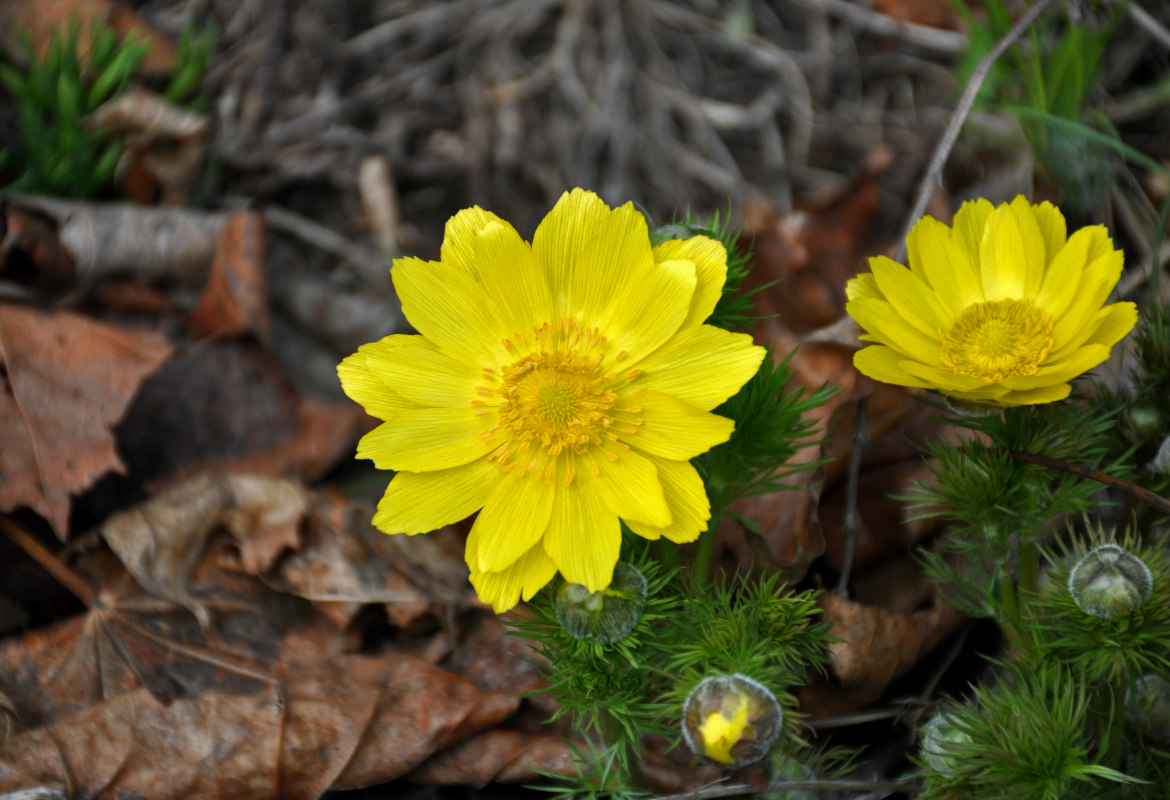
(51, 564)
(1130, 488)
(852, 515)
(939, 159)
(744, 790)
(1150, 25)
(936, 40)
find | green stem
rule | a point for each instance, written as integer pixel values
(1009, 608)
(625, 760)
(705, 549)
(1029, 567)
(1114, 744)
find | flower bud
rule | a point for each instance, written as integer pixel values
(939, 739)
(1147, 708)
(731, 720)
(605, 616)
(1110, 581)
(1145, 421)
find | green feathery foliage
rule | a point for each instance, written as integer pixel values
(58, 151)
(997, 503)
(1025, 738)
(770, 427)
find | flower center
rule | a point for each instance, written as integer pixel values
(556, 398)
(997, 339)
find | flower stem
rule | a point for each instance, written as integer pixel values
(629, 774)
(1111, 750)
(1029, 566)
(705, 549)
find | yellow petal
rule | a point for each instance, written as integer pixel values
(710, 260)
(418, 502)
(886, 326)
(885, 364)
(687, 498)
(513, 279)
(1075, 326)
(1078, 363)
(628, 486)
(422, 373)
(428, 439)
(1114, 324)
(1052, 227)
(562, 235)
(1034, 247)
(943, 378)
(459, 237)
(910, 296)
(1063, 275)
(647, 311)
(1002, 258)
(367, 389)
(1032, 397)
(945, 264)
(448, 306)
(863, 285)
(524, 578)
(583, 537)
(672, 429)
(513, 519)
(702, 365)
(969, 227)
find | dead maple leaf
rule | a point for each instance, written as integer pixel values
(64, 382)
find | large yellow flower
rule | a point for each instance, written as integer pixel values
(555, 388)
(1003, 309)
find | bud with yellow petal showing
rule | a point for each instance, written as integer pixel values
(731, 720)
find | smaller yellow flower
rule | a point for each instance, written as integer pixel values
(1004, 308)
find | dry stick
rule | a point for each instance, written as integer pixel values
(51, 564)
(744, 790)
(1156, 500)
(852, 516)
(1149, 24)
(939, 159)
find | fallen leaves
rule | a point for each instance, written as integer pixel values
(65, 381)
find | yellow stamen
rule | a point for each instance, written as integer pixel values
(997, 339)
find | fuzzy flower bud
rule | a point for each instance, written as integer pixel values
(605, 616)
(1110, 581)
(731, 720)
(1147, 708)
(939, 736)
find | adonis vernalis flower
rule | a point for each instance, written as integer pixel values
(555, 388)
(1003, 309)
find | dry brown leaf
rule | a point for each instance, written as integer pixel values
(64, 382)
(234, 299)
(339, 569)
(161, 540)
(875, 645)
(352, 722)
(217, 401)
(164, 145)
(325, 435)
(498, 756)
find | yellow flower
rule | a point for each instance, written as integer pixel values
(555, 388)
(1003, 309)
